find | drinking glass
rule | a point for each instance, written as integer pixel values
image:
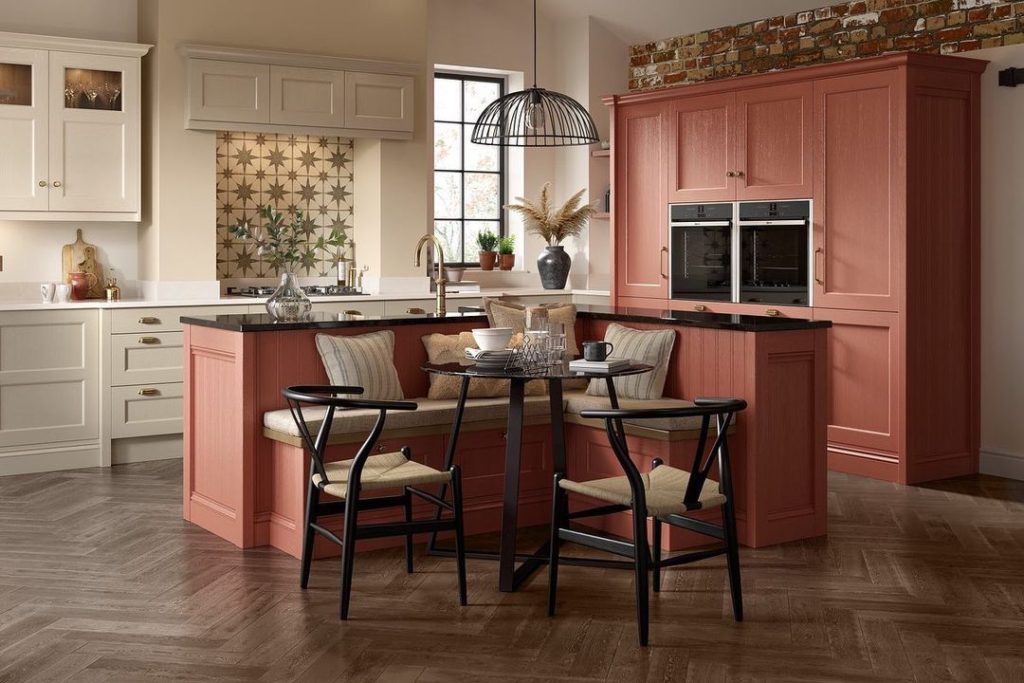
(556, 342)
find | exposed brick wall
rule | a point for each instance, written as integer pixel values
(827, 34)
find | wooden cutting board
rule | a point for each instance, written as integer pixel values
(80, 256)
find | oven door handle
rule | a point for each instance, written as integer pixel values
(771, 223)
(700, 224)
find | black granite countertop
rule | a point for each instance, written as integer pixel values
(740, 323)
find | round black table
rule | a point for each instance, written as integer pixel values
(510, 576)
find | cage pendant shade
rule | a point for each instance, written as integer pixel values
(535, 117)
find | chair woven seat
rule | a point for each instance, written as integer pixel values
(384, 471)
(664, 488)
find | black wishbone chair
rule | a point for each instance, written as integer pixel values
(347, 479)
(666, 494)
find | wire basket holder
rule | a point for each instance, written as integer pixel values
(530, 356)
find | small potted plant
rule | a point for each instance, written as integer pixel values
(507, 250)
(488, 243)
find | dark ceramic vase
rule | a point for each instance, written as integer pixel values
(553, 265)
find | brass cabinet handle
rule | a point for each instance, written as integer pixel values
(664, 253)
(772, 312)
(353, 311)
(148, 340)
(740, 174)
(730, 174)
(149, 391)
(700, 308)
(148, 320)
(819, 273)
(42, 183)
(415, 311)
(56, 183)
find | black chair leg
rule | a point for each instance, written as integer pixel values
(733, 559)
(640, 551)
(348, 554)
(408, 536)
(312, 501)
(656, 552)
(460, 549)
(556, 523)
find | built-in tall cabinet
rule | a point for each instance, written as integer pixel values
(887, 149)
(70, 129)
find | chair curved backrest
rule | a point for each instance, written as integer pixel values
(722, 409)
(334, 398)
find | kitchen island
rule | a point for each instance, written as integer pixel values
(245, 482)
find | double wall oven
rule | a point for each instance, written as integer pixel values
(743, 252)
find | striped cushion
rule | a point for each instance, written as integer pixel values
(365, 360)
(652, 347)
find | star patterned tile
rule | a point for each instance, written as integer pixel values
(312, 174)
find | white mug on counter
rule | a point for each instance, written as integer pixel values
(62, 293)
(46, 290)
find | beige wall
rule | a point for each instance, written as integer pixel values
(1002, 278)
(177, 234)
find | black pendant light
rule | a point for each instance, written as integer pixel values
(535, 117)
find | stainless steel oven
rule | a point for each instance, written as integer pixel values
(701, 246)
(774, 252)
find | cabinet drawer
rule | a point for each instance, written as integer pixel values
(142, 358)
(146, 410)
(728, 308)
(135, 320)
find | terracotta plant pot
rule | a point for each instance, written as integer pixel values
(487, 260)
(508, 261)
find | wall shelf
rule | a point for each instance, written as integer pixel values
(601, 153)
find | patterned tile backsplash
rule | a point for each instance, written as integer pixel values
(290, 172)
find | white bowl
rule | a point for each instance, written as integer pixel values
(492, 338)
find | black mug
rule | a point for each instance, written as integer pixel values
(597, 350)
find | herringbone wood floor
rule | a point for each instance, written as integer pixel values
(100, 580)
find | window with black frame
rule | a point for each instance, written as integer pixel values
(469, 179)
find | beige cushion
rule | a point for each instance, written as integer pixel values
(431, 413)
(578, 401)
(451, 348)
(509, 314)
(653, 347)
(664, 487)
(364, 360)
(385, 471)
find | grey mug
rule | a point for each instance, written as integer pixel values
(597, 350)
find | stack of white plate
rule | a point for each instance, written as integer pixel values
(490, 359)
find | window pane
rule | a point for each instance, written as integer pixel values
(450, 234)
(447, 146)
(478, 96)
(480, 157)
(482, 195)
(447, 99)
(447, 195)
(474, 228)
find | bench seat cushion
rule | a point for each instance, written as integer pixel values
(431, 413)
(578, 401)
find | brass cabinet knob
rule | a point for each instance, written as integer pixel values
(730, 174)
(148, 340)
(147, 320)
(42, 183)
(56, 183)
(739, 174)
(149, 391)
(772, 312)
(700, 308)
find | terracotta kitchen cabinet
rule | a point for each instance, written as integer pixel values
(702, 148)
(641, 248)
(774, 142)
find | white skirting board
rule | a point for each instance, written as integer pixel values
(50, 458)
(1002, 464)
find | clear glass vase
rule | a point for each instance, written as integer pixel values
(289, 302)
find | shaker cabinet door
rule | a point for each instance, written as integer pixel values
(235, 92)
(379, 101)
(860, 191)
(702, 160)
(24, 177)
(307, 97)
(641, 212)
(774, 140)
(95, 136)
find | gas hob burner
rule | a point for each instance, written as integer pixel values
(321, 290)
(310, 291)
(256, 292)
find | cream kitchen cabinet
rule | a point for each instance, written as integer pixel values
(70, 128)
(276, 92)
(49, 390)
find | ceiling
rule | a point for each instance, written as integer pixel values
(640, 21)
